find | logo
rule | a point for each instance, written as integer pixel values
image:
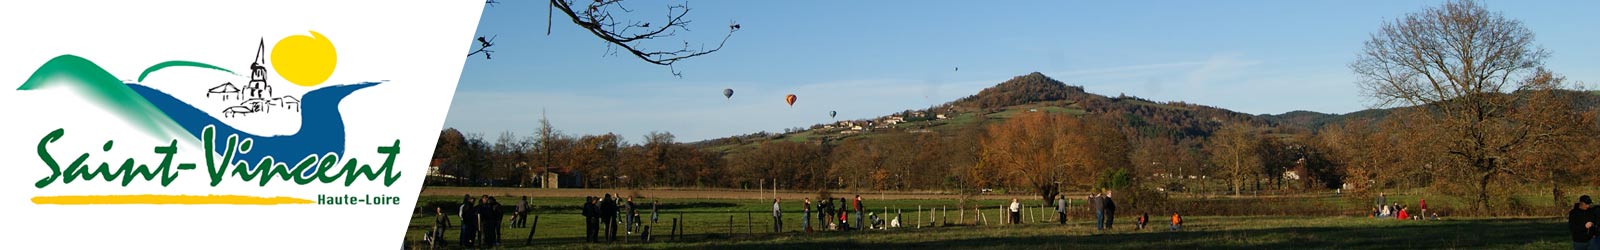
(225, 121)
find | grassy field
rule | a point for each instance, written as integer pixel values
(707, 225)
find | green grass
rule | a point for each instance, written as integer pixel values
(962, 120)
(560, 227)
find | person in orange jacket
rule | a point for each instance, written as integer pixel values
(1177, 222)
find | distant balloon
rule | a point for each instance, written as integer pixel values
(727, 93)
(832, 114)
(789, 99)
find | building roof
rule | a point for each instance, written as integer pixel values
(224, 88)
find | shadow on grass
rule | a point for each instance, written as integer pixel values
(1476, 234)
(1356, 233)
(452, 207)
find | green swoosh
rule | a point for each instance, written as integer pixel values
(100, 87)
(167, 64)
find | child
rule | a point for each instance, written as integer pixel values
(1143, 218)
(1177, 222)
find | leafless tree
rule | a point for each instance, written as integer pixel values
(1466, 68)
(1236, 149)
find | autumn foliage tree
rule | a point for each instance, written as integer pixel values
(1038, 150)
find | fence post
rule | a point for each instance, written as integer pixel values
(531, 230)
(1005, 217)
(748, 229)
(961, 216)
(919, 216)
(730, 226)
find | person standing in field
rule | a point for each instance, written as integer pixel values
(489, 215)
(522, 212)
(590, 222)
(1422, 206)
(608, 216)
(805, 215)
(1097, 204)
(1061, 209)
(441, 221)
(1383, 205)
(469, 221)
(480, 213)
(627, 215)
(499, 213)
(859, 210)
(777, 215)
(654, 213)
(1111, 210)
(1580, 222)
(1016, 211)
(635, 217)
(822, 213)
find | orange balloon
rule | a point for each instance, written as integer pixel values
(790, 99)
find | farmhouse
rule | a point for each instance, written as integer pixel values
(226, 91)
(287, 102)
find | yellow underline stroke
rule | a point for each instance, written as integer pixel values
(155, 199)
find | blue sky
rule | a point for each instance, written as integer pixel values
(870, 58)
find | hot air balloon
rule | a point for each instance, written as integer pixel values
(832, 114)
(789, 99)
(727, 93)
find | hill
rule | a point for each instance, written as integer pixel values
(1033, 92)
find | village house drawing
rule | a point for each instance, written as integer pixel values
(256, 96)
(225, 91)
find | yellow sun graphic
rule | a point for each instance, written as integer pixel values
(304, 60)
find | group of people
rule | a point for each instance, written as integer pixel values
(1385, 210)
(1105, 210)
(830, 215)
(601, 216)
(480, 222)
(481, 219)
(1100, 204)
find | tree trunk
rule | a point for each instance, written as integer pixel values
(1237, 185)
(1483, 192)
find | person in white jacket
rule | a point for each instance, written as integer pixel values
(777, 216)
(1016, 212)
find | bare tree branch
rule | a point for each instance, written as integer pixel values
(483, 47)
(599, 19)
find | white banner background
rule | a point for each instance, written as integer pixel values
(418, 46)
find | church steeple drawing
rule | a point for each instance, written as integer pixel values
(256, 96)
(258, 87)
